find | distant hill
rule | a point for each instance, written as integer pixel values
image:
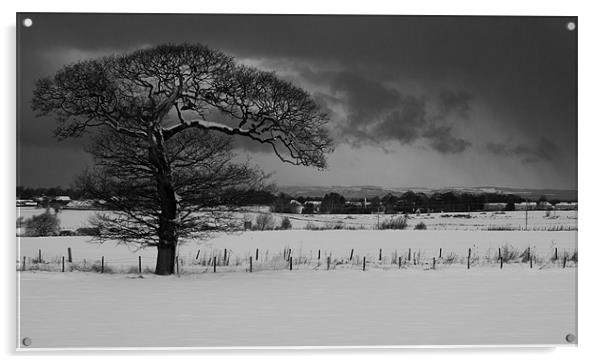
(372, 191)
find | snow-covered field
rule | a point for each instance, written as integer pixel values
(511, 220)
(304, 246)
(343, 307)
(384, 305)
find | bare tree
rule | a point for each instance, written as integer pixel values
(155, 94)
(125, 178)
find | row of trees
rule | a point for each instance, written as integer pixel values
(28, 193)
(408, 202)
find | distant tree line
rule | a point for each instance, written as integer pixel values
(28, 193)
(334, 203)
(408, 202)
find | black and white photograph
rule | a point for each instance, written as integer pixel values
(289, 180)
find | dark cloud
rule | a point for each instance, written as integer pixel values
(384, 79)
(366, 98)
(379, 113)
(404, 124)
(454, 102)
(541, 150)
(440, 138)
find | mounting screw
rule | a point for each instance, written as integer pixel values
(571, 26)
(570, 338)
(26, 341)
(27, 22)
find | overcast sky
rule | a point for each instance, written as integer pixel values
(413, 101)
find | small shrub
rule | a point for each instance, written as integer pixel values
(339, 225)
(395, 223)
(573, 257)
(45, 224)
(463, 216)
(88, 231)
(285, 224)
(98, 268)
(525, 255)
(509, 253)
(420, 226)
(264, 222)
(450, 258)
(311, 226)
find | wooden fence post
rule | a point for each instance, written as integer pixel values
(399, 262)
(499, 254)
(440, 251)
(39, 256)
(564, 261)
(140, 263)
(501, 262)
(318, 254)
(214, 264)
(327, 263)
(351, 256)
(250, 264)
(555, 254)
(290, 263)
(433, 262)
(63, 264)
(102, 264)
(530, 261)
(409, 254)
(380, 255)
(468, 262)
(225, 255)
(23, 264)
(257, 254)
(364, 264)
(69, 258)
(178, 265)
(197, 254)
(529, 253)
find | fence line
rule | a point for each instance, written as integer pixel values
(206, 260)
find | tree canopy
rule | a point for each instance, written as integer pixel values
(171, 88)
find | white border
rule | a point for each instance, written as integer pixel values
(590, 130)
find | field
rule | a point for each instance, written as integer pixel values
(510, 220)
(315, 303)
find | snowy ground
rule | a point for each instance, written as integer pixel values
(512, 220)
(345, 307)
(384, 305)
(304, 247)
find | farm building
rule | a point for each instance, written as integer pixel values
(62, 199)
(29, 203)
(296, 207)
(566, 206)
(494, 206)
(525, 206)
(544, 205)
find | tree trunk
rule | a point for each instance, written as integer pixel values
(168, 235)
(166, 257)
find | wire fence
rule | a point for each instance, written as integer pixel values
(222, 261)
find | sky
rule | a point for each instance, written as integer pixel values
(413, 101)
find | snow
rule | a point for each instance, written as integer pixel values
(301, 308)
(510, 220)
(310, 306)
(306, 244)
